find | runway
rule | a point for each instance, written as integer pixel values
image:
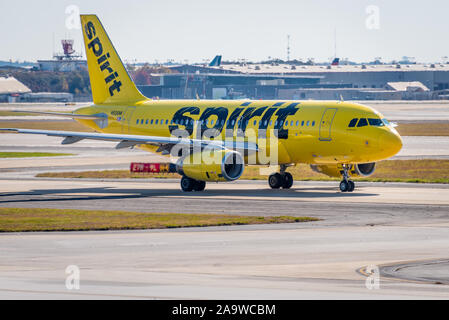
(219, 263)
(411, 110)
(377, 225)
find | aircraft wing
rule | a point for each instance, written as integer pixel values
(128, 141)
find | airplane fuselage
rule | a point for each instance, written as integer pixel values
(313, 132)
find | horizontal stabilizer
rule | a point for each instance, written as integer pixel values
(66, 115)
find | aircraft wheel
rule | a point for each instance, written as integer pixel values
(199, 186)
(344, 186)
(275, 181)
(187, 184)
(288, 181)
(351, 186)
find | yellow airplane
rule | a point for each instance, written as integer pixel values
(213, 140)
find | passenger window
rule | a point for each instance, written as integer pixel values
(353, 123)
(297, 123)
(362, 123)
(146, 122)
(313, 124)
(308, 122)
(137, 122)
(302, 124)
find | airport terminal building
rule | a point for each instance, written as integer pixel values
(285, 81)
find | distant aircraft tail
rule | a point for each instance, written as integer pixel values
(216, 62)
(336, 62)
(110, 82)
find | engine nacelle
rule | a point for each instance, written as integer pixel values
(212, 165)
(357, 170)
(363, 169)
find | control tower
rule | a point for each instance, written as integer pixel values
(69, 53)
(67, 61)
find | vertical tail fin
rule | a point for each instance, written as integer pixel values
(216, 62)
(109, 79)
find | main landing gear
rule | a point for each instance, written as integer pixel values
(346, 185)
(189, 185)
(281, 179)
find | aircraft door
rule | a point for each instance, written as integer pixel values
(326, 124)
(126, 120)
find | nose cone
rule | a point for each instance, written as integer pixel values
(391, 143)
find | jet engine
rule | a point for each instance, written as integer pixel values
(212, 165)
(335, 171)
(363, 169)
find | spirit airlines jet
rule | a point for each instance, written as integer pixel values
(338, 138)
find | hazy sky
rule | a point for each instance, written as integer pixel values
(199, 29)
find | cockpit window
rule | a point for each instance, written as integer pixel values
(353, 123)
(362, 123)
(375, 122)
(386, 122)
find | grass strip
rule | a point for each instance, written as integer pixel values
(33, 219)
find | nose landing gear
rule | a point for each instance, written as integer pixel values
(346, 185)
(281, 179)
